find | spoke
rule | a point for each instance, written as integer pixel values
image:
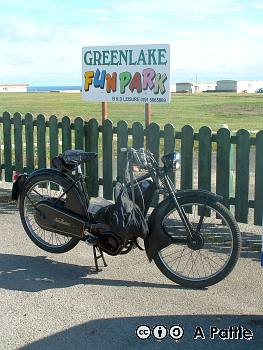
(43, 190)
(201, 219)
(178, 257)
(34, 190)
(187, 262)
(218, 243)
(196, 259)
(201, 258)
(211, 270)
(177, 251)
(212, 260)
(192, 268)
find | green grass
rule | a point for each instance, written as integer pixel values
(236, 110)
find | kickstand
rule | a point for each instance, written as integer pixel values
(97, 257)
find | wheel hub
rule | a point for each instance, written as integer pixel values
(196, 243)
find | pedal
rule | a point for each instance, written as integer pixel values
(97, 257)
(137, 245)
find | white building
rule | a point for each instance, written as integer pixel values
(199, 87)
(13, 87)
(249, 86)
(194, 87)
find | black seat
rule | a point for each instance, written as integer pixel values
(75, 156)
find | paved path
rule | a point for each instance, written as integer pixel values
(58, 302)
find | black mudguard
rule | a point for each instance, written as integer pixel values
(18, 186)
(76, 200)
(157, 238)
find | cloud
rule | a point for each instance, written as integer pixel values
(182, 9)
(207, 38)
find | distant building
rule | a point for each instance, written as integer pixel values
(249, 86)
(194, 87)
(13, 87)
(199, 87)
(184, 87)
(173, 88)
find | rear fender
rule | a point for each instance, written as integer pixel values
(157, 238)
(76, 200)
(18, 185)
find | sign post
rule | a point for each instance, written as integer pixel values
(148, 114)
(104, 111)
(126, 74)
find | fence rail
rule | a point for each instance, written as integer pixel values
(230, 164)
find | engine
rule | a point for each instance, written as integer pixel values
(102, 236)
(110, 243)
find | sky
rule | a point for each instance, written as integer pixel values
(41, 40)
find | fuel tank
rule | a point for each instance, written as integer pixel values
(143, 191)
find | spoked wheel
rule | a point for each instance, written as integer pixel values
(211, 255)
(38, 189)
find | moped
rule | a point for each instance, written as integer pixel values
(191, 235)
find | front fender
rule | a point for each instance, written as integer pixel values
(157, 238)
(201, 193)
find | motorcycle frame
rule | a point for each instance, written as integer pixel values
(155, 173)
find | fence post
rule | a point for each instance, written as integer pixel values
(258, 209)
(41, 141)
(169, 146)
(231, 163)
(1, 133)
(262, 243)
(18, 143)
(29, 130)
(153, 143)
(66, 134)
(222, 163)
(91, 130)
(53, 137)
(137, 135)
(204, 158)
(242, 175)
(122, 141)
(79, 133)
(7, 146)
(107, 134)
(187, 144)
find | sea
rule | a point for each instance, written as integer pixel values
(52, 88)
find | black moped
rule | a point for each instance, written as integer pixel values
(192, 237)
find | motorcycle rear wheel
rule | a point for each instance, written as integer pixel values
(38, 188)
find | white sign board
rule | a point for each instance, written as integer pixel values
(135, 73)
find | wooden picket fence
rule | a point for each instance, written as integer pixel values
(219, 161)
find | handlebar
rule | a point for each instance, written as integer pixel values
(141, 157)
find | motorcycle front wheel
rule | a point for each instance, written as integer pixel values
(215, 252)
(39, 188)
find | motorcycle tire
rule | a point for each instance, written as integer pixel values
(49, 241)
(219, 243)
